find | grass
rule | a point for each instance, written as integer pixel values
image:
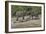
(26, 24)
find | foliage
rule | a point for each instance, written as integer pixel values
(31, 9)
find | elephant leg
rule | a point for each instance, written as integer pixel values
(32, 17)
(17, 18)
(23, 17)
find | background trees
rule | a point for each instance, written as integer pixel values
(25, 10)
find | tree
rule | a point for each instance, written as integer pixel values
(27, 10)
(36, 11)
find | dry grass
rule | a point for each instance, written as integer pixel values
(26, 24)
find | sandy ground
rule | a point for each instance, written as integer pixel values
(26, 24)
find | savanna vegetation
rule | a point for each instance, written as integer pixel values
(18, 12)
(22, 11)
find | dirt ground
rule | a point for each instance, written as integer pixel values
(26, 24)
